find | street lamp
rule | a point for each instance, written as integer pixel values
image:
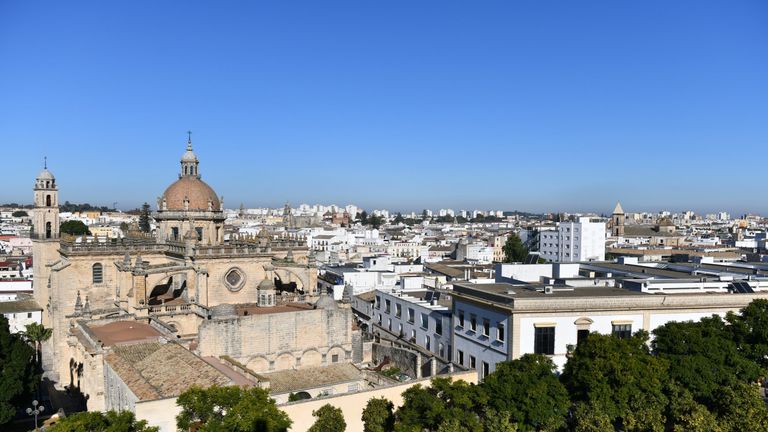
(35, 411)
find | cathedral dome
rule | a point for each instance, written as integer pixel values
(193, 189)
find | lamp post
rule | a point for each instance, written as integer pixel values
(35, 411)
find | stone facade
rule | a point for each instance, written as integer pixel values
(280, 340)
(171, 283)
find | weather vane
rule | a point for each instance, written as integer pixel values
(189, 136)
(45, 162)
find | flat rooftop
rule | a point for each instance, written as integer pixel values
(506, 294)
(121, 332)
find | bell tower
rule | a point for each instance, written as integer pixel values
(45, 217)
(45, 237)
(618, 221)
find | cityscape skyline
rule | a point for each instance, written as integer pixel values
(519, 110)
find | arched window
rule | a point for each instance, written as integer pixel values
(185, 170)
(47, 230)
(48, 200)
(98, 273)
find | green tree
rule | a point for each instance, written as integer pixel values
(363, 217)
(444, 400)
(231, 408)
(494, 421)
(18, 371)
(620, 378)
(378, 415)
(750, 331)
(740, 408)
(514, 250)
(329, 419)
(74, 227)
(399, 218)
(590, 418)
(375, 221)
(95, 421)
(144, 224)
(684, 414)
(37, 334)
(424, 214)
(19, 213)
(703, 356)
(451, 425)
(528, 390)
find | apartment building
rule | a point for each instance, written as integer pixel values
(574, 241)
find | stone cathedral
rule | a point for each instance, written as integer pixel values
(209, 295)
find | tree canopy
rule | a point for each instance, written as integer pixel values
(74, 227)
(37, 334)
(329, 419)
(95, 421)
(528, 392)
(514, 249)
(378, 416)
(443, 401)
(703, 356)
(144, 224)
(230, 408)
(18, 371)
(620, 378)
(19, 213)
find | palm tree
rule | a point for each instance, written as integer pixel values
(37, 334)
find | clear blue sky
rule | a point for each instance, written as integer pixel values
(531, 105)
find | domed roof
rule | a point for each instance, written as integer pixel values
(189, 155)
(45, 175)
(326, 302)
(195, 190)
(266, 284)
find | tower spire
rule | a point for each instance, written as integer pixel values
(189, 140)
(45, 162)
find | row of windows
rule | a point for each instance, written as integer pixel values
(423, 317)
(485, 367)
(486, 328)
(544, 337)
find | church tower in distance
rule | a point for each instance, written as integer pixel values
(618, 221)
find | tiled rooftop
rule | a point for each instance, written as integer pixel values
(294, 380)
(161, 370)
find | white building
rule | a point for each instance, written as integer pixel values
(20, 312)
(499, 322)
(475, 251)
(574, 241)
(417, 318)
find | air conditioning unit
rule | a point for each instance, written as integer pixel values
(549, 289)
